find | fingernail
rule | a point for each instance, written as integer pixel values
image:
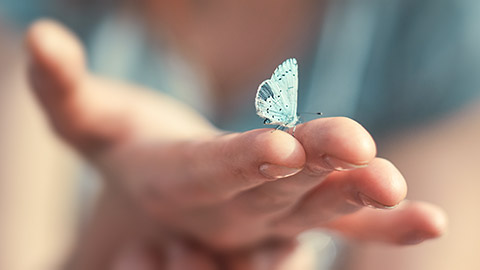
(340, 165)
(413, 238)
(369, 202)
(277, 171)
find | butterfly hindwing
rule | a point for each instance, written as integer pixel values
(276, 99)
(270, 104)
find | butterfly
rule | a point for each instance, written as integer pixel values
(276, 98)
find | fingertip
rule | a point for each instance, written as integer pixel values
(380, 185)
(275, 154)
(48, 38)
(431, 219)
(391, 187)
(440, 221)
(338, 137)
(280, 148)
(418, 221)
(55, 53)
(355, 144)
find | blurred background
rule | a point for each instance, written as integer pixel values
(407, 70)
(44, 187)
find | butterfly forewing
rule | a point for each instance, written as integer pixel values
(286, 76)
(276, 99)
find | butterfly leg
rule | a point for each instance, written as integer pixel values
(293, 131)
(277, 128)
(280, 127)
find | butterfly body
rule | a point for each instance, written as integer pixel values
(276, 98)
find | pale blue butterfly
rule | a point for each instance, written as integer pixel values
(276, 99)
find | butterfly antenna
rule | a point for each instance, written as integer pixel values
(317, 113)
(300, 114)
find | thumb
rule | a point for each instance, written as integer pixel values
(80, 107)
(57, 59)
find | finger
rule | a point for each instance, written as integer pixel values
(57, 55)
(330, 144)
(380, 185)
(335, 144)
(411, 223)
(215, 169)
(85, 117)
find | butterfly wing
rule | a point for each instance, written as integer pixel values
(286, 77)
(276, 99)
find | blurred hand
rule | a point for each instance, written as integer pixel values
(172, 174)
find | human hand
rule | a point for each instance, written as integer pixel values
(227, 191)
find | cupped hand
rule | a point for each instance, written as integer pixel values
(224, 190)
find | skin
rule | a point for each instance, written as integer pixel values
(168, 185)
